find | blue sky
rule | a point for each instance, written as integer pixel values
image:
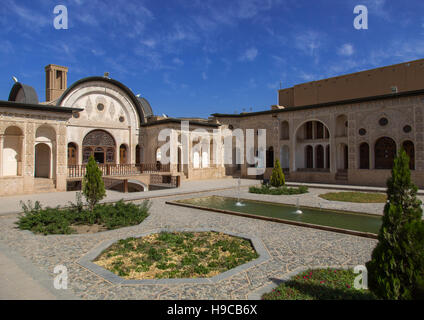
(194, 58)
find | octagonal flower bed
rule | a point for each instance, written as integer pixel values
(176, 255)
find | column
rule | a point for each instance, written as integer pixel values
(21, 169)
(1, 154)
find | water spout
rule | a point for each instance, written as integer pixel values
(298, 211)
(239, 203)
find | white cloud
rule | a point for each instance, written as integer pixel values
(182, 34)
(309, 42)
(273, 86)
(151, 43)
(97, 52)
(346, 50)
(375, 7)
(28, 17)
(279, 61)
(204, 76)
(249, 55)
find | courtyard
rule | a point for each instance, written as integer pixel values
(29, 259)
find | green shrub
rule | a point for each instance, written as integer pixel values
(265, 189)
(396, 270)
(45, 221)
(93, 186)
(121, 214)
(277, 177)
(60, 221)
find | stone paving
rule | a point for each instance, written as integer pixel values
(11, 204)
(290, 248)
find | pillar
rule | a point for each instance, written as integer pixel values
(1, 154)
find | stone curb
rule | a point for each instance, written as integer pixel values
(87, 260)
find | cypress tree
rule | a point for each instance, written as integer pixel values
(396, 270)
(277, 177)
(93, 186)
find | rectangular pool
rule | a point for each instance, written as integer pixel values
(336, 219)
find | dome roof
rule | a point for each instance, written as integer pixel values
(145, 105)
(23, 93)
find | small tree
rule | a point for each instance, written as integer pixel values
(396, 270)
(277, 177)
(93, 186)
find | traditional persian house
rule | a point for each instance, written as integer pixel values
(343, 130)
(45, 146)
(346, 129)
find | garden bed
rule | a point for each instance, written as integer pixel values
(266, 189)
(78, 219)
(358, 197)
(176, 255)
(320, 284)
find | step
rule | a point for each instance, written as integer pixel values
(44, 185)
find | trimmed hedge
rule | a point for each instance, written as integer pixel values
(266, 189)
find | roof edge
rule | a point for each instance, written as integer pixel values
(322, 105)
(117, 83)
(40, 107)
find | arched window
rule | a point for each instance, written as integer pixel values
(309, 157)
(270, 158)
(385, 152)
(409, 148)
(196, 160)
(12, 152)
(98, 143)
(285, 157)
(342, 157)
(42, 161)
(327, 163)
(319, 130)
(72, 154)
(285, 135)
(137, 154)
(319, 157)
(364, 156)
(205, 159)
(341, 126)
(123, 154)
(308, 130)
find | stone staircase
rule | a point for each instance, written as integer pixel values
(44, 185)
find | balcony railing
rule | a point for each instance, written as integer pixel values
(77, 171)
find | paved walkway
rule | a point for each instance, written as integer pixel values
(290, 248)
(21, 280)
(27, 260)
(11, 204)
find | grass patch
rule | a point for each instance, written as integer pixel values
(62, 221)
(176, 255)
(358, 197)
(266, 189)
(320, 284)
